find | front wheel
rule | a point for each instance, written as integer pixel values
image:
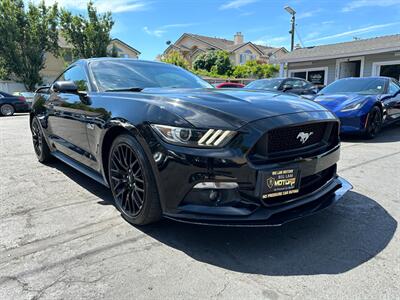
(374, 123)
(7, 110)
(132, 182)
(40, 146)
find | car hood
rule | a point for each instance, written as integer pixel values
(336, 102)
(226, 108)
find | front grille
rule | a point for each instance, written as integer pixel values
(289, 138)
(308, 185)
(291, 142)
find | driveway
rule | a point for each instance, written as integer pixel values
(60, 237)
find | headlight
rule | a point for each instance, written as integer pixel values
(194, 137)
(353, 106)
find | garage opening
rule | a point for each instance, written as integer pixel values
(350, 69)
(391, 71)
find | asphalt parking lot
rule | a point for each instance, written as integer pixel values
(60, 237)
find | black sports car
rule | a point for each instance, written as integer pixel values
(293, 85)
(10, 104)
(168, 144)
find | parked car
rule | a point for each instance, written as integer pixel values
(291, 85)
(10, 104)
(229, 85)
(363, 104)
(169, 144)
(27, 95)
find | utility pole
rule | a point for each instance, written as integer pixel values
(293, 23)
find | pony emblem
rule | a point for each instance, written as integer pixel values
(304, 136)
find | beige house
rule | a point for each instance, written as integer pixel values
(191, 45)
(55, 65)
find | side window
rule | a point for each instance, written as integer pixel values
(299, 84)
(393, 88)
(78, 76)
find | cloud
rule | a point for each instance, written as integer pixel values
(308, 14)
(236, 4)
(159, 32)
(352, 5)
(115, 6)
(156, 32)
(356, 31)
(272, 41)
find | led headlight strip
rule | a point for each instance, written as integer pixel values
(215, 137)
(192, 137)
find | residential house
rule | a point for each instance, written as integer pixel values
(191, 45)
(55, 65)
(324, 64)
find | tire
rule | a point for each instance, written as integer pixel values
(40, 146)
(132, 181)
(7, 110)
(374, 123)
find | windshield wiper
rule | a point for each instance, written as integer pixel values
(131, 89)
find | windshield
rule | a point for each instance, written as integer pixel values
(270, 84)
(368, 86)
(126, 74)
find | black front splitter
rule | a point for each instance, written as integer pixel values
(275, 216)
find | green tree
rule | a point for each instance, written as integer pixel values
(26, 35)
(174, 57)
(255, 69)
(90, 36)
(215, 62)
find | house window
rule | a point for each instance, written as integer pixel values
(246, 56)
(317, 76)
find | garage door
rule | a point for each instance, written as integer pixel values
(390, 71)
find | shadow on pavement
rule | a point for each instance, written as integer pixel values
(332, 242)
(388, 134)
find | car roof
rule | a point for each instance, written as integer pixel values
(138, 61)
(369, 77)
(280, 78)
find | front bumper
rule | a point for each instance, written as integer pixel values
(179, 170)
(332, 192)
(352, 122)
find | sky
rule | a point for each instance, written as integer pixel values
(148, 24)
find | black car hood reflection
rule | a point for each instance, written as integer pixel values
(223, 108)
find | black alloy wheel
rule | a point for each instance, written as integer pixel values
(127, 179)
(374, 123)
(39, 143)
(132, 182)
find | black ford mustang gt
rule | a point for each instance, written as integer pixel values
(168, 144)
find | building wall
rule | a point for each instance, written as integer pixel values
(381, 57)
(122, 50)
(53, 67)
(330, 64)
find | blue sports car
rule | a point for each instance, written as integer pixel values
(363, 105)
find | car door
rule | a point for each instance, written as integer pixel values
(67, 117)
(392, 101)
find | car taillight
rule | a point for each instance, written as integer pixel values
(20, 98)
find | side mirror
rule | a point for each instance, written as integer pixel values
(287, 87)
(65, 87)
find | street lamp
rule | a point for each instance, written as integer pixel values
(293, 22)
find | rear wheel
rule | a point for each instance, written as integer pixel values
(7, 110)
(374, 124)
(39, 143)
(132, 182)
